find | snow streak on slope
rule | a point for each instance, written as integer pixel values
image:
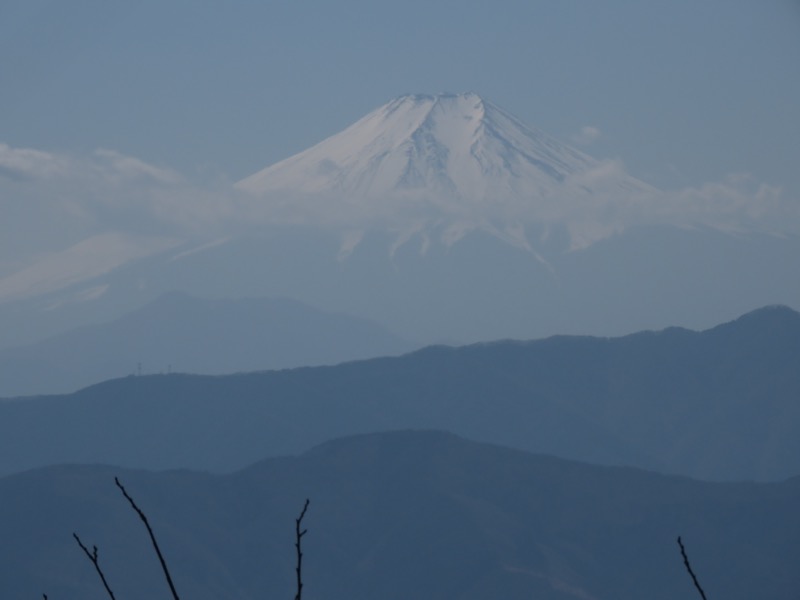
(454, 159)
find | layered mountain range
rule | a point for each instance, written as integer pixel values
(433, 218)
(400, 515)
(719, 404)
(405, 300)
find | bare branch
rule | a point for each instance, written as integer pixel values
(689, 568)
(143, 517)
(92, 557)
(298, 535)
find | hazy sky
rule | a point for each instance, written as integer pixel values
(684, 92)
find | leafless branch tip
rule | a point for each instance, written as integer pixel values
(92, 556)
(689, 568)
(143, 517)
(299, 533)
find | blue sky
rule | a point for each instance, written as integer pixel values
(684, 92)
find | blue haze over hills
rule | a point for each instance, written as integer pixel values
(180, 189)
(719, 404)
(399, 515)
(179, 333)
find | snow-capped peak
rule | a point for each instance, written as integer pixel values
(457, 144)
(447, 157)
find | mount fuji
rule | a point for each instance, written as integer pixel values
(442, 147)
(444, 219)
(457, 162)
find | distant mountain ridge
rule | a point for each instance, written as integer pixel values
(185, 334)
(719, 404)
(401, 515)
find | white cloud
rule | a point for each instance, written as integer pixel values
(586, 136)
(119, 167)
(85, 260)
(26, 163)
(592, 205)
(49, 202)
(108, 165)
(105, 191)
(738, 203)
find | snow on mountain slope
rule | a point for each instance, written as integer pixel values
(454, 159)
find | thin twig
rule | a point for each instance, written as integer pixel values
(143, 517)
(93, 557)
(298, 535)
(689, 568)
